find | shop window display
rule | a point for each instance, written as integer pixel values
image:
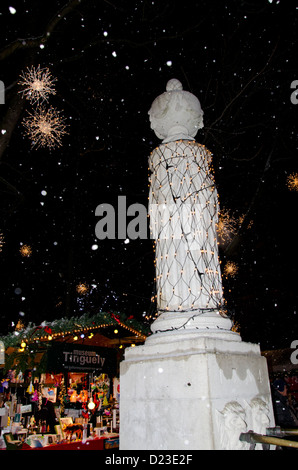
(59, 409)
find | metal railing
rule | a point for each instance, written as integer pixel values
(274, 436)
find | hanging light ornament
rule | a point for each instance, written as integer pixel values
(37, 84)
(45, 127)
(226, 227)
(292, 182)
(82, 288)
(231, 269)
(26, 251)
(91, 404)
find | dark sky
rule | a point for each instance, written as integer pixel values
(111, 60)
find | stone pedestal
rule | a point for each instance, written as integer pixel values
(193, 385)
(188, 390)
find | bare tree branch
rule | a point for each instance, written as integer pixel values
(248, 215)
(244, 88)
(10, 120)
(37, 41)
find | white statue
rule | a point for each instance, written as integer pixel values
(183, 207)
(176, 114)
(260, 417)
(232, 422)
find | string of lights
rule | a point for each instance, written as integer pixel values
(183, 207)
(76, 328)
(191, 318)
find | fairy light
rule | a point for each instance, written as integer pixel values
(231, 269)
(241, 220)
(193, 198)
(45, 127)
(26, 251)
(82, 289)
(1, 241)
(37, 84)
(292, 182)
(227, 226)
(81, 332)
(19, 326)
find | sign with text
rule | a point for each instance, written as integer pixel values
(73, 357)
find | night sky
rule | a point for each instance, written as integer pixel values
(110, 61)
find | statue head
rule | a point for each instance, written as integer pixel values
(232, 422)
(176, 114)
(260, 415)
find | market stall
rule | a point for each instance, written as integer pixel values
(60, 386)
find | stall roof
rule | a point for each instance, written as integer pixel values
(106, 329)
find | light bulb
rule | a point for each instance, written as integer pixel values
(91, 404)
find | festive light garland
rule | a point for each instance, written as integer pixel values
(183, 206)
(75, 326)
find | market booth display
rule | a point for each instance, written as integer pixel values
(60, 388)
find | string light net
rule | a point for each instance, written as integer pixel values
(183, 208)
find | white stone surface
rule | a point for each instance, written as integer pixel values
(173, 394)
(176, 114)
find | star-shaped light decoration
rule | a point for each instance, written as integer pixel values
(26, 251)
(37, 84)
(82, 288)
(226, 227)
(292, 182)
(231, 269)
(45, 127)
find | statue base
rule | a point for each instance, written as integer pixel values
(190, 325)
(193, 388)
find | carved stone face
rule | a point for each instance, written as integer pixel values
(176, 113)
(260, 416)
(234, 423)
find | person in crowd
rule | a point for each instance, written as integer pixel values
(47, 414)
(285, 413)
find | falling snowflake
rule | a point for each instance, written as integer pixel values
(37, 84)
(230, 269)
(292, 181)
(26, 251)
(45, 127)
